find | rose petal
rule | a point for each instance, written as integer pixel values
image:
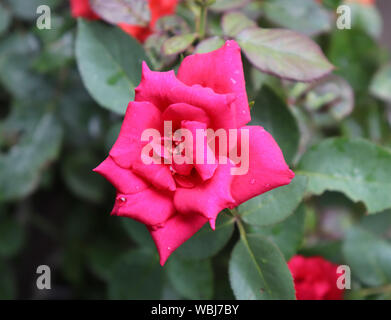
(139, 116)
(164, 89)
(182, 111)
(267, 167)
(122, 179)
(126, 151)
(204, 169)
(221, 70)
(175, 231)
(149, 206)
(209, 198)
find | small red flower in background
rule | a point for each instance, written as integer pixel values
(315, 278)
(175, 201)
(159, 8)
(81, 8)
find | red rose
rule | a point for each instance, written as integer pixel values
(81, 8)
(175, 200)
(315, 278)
(159, 8)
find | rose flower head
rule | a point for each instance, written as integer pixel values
(315, 278)
(158, 8)
(202, 157)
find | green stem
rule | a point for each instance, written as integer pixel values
(379, 290)
(202, 20)
(239, 223)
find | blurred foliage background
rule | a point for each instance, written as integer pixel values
(54, 210)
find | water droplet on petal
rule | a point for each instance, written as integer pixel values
(121, 200)
(252, 181)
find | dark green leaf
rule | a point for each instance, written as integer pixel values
(192, 279)
(110, 64)
(272, 113)
(78, 176)
(138, 232)
(11, 236)
(357, 168)
(368, 256)
(355, 56)
(7, 282)
(206, 242)
(20, 168)
(275, 205)
(136, 275)
(287, 235)
(5, 18)
(258, 271)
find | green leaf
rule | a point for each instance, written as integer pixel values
(193, 280)
(101, 257)
(368, 256)
(138, 232)
(305, 16)
(235, 22)
(137, 275)
(366, 17)
(284, 53)
(287, 235)
(110, 64)
(258, 271)
(378, 224)
(11, 236)
(225, 5)
(358, 168)
(56, 54)
(381, 84)
(209, 45)
(17, 77)
(5, 18)
(355, 55)
(206, 242)
(272, 113)
(274, 206)
(20, 168)
(135, 12)
(178, 44)
(333, 92)
(7, 282)
(330, 250)
(79, 178)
